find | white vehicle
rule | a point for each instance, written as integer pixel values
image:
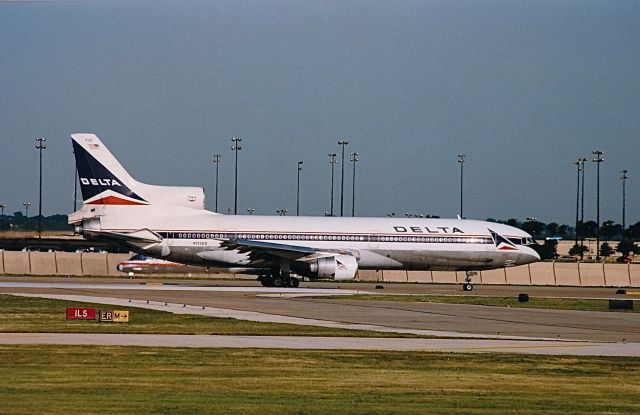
(172, 223)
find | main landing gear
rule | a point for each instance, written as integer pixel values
(468, 286)
(278, 278)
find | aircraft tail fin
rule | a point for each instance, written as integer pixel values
(104, 181)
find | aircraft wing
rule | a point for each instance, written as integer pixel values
(261, 250)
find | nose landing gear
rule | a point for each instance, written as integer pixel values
(467, 285)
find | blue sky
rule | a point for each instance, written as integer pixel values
(523, 88)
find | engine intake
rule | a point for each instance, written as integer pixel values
(338, 268)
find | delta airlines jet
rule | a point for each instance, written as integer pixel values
(172, 223)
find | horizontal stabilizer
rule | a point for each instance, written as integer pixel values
(144, 236)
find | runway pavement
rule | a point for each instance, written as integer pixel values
(248, 300)
(266, 318)
(329, 343)
(388, 287)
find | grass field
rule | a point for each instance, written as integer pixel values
(107, 380)
(551, 303)
(29, 314)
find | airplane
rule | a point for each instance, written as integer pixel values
(171, 223)
(142, 264)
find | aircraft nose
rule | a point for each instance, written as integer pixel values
(529, 255)
(535, 255)
(535, 251)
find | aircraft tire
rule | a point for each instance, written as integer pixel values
(467, 287)
(294, 282)
(278, 282)
(266, 281)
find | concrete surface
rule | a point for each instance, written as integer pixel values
(16, 263)
(542, 273)
(43, 263)
(328, 343)
(94, 264)
(567, 274)
(69, 263)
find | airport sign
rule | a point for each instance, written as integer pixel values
(114, 316)
(81, 313)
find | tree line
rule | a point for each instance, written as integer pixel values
(18, 222)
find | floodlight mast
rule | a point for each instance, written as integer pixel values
(216, 160)
(40, 146)
(236, 147)
(342, 143)
(598, 159)
(461, 160)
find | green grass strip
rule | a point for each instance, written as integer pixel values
(108, 380)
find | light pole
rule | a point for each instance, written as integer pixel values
(333, 161)
(216, 160)
(26, 215)
(40, 146)
(236, 147)
(582, 206)
(598, 159)
(342, 143)
(251, 210)
(580, 164)
(461, 161)
(2, 206)
(298, 190)
(354, 159)
(624, 177)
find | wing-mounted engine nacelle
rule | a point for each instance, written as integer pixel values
(339, 267)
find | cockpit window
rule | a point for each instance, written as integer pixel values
(522, 241)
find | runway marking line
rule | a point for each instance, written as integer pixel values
(527, 347)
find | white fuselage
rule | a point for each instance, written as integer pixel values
(195, 237)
